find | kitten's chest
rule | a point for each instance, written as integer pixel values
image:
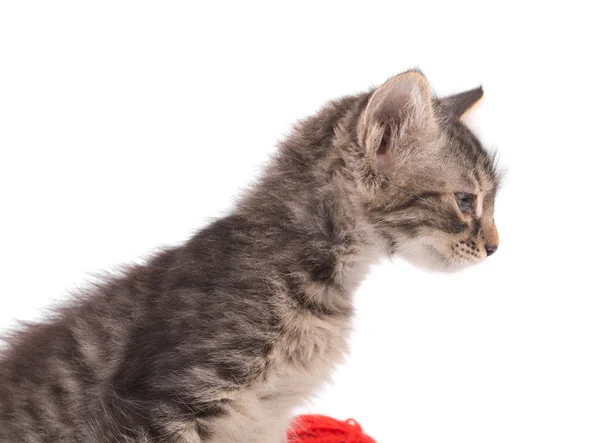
(309, 349)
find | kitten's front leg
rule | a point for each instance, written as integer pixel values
(245, 437)
(242, 430)
(270, 437)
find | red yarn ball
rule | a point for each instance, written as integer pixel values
(321, 429)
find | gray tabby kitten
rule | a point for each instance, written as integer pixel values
(218, 340)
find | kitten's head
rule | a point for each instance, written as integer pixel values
(429, 186)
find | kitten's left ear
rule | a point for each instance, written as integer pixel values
(460, 103)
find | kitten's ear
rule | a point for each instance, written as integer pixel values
(460, 103)
(401, 107)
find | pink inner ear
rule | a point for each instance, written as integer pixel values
(384, 163)
(385, 141)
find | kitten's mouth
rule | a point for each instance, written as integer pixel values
(466, 257)
(462, 261)
(451, 261)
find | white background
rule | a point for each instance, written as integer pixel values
(125, 126)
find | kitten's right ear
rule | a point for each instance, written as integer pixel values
(401, 107)
(458, 104)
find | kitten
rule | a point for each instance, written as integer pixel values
(217, 341)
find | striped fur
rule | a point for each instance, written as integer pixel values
(218, 340)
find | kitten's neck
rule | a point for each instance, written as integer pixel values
(308, 201)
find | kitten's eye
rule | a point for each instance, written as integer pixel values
(464, 201)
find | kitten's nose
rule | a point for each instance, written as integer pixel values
(490, 249)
